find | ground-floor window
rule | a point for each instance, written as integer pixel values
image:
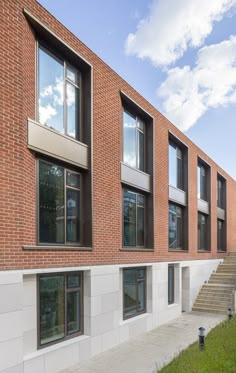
(134, 287)
(60, 307)
(171, 284)
(220, 235)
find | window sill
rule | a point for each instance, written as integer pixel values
(178, 250)
(173, 305)
(56, 248)
(222, 251)
(204, 251)
(135, 318)
(136, 249)
(55, 347)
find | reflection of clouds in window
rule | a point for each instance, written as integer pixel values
(46, 113)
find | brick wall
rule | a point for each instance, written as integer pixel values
(18, 164)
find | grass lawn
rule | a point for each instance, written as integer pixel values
(219, 354)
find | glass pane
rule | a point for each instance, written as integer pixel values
(129, 206)
(179, 173)
(172, 166)
(72, 110)
(171, 286)
(141, 297)
(52, 307)
(140, 151)
(140, 200)
(172, 227)
(73, 312)
(130, 293)
(179, 240)
(129, 139)
(140, 124)
(51, 203)
(73, 179)
(198, 182)
(141, 273)
(73, 280)
(140, 226)
(72, 74)
(73, 215)
(50, 91)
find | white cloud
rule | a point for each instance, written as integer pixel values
(188, 93)
(46, 113)
(173, 25)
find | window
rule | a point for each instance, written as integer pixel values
(133, 219)
(220, 192)
(220, 235)
(202, 232)
(171, 284)
(175, 166)
(60, 307)
(133, 141)
(202, 183)
(134, 287)
(58, 94)
(59, 204)
(175, 227)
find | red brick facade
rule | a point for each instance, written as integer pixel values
(18, 163)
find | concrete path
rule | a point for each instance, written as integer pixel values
(150, 351)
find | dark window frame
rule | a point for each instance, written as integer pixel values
(53, 54)
(66, 290)
(144, 279)
(80, 189)
(179, 156)
(172, 301)
(221, 241)
(206, 240)
(202, 182)
(221, 192)
(180, 208)
(137, 131)
(137, 206)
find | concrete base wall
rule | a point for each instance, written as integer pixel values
(104, 326)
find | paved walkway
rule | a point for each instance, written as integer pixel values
(149, 351)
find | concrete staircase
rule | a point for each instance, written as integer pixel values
(217, 295)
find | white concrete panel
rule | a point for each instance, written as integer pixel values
(10, 277)
(29, 341)
(29, 290)
(109, 302)
(16, 369)
(84, 350)
(102, 323)
(96, 345)
(177, 195)
(203, 206)
(124, 333)
(10, 326)
(61, 359)
(220, 213)
(10, 297)
(29, 318)
(102, 284)
(35, 365)
(110, 339)
(11, 353)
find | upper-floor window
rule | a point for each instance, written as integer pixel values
(133, 218)
(133, 141)
(59, 204)
(220, 192)
(175, 166)
(58, 94)
(202, 232)
(202, 182)
(175, 226)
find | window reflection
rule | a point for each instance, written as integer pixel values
(58, 94)
(175, 227)
(133, 141)
(134, 282)
(175, 166)
(133, 218)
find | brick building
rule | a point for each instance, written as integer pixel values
(110, 218)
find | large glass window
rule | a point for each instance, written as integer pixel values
(220, 235)
(133, 219)
(59, 204)
(175, 166)
(133, 141)
(60, 307)
(202, 232)
(58, 94)
(171, 284)
(202, 183)
(134, 284)
(175, 227)
(220, 192)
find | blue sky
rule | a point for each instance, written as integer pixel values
(180, 55)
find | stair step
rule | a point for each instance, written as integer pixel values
(216, 302)
(207, 310)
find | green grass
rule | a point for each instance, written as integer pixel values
(219, 354)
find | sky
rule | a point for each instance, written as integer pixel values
(180, 55)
